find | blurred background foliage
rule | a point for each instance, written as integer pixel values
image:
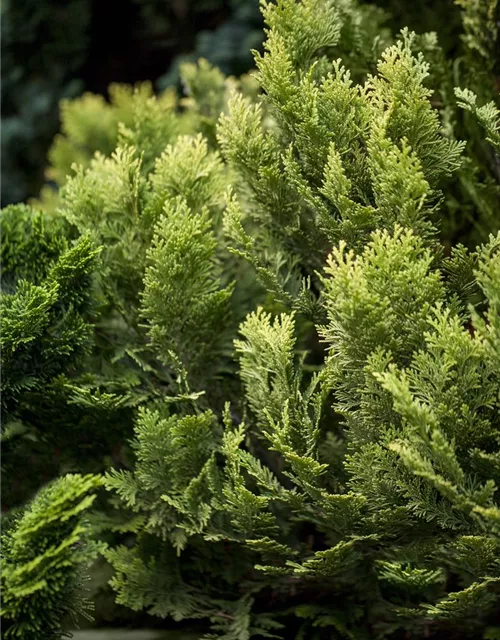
(56, 49)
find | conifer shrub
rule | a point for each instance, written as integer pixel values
(297, 321)
(75, 357)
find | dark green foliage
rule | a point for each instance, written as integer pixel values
(46, 297)
(48, 301)
(46, 550)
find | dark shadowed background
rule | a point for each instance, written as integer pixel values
(54, 49)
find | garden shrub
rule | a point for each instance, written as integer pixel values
(299, 323)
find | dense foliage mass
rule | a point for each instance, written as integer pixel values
(284, 294)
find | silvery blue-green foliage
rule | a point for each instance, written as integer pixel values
(228, 46)
(46, 550)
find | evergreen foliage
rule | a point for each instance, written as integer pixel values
(46, 550)
(282, 309)
(47, 311)
(322, 162)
